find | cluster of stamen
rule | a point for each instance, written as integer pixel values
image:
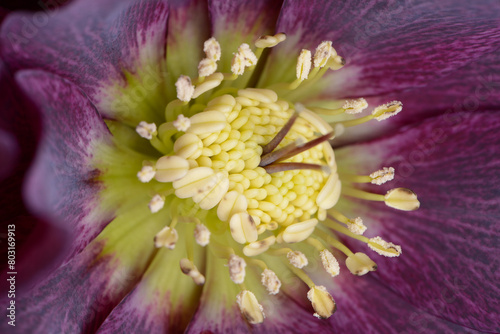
(264, 167)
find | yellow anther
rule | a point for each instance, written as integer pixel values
(330, 263)
(303, 65)
(258, 247)
(257, 94)
(323, 53)
(356, 226)
(232, 203)
(171, 168)
(382, 176)
(270, 41)
(207, 122)
(402, 199)
(322, 302)
(360, 264)
(387, 110)
(250, 307)
(167, 237)
(384, 248)
(330, 193)
(354, 106)
(209, 83)
(188, 146)
(196, 180)
(209, 197)
(243, 228)
(299, 231)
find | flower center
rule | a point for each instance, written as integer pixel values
(255, 173)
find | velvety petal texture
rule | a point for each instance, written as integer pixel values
(473, 88)
(367, 306)
(93, 44)
(450, 249)
(62, 185)
(388, 46)
(39, 244)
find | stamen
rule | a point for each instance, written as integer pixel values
(212, 49)
(322, 302)
(188, 268)
(356, 226)
(258, 247)
(336, 63)
(384, 248)
(250, 307)
(269, 41)
(298, 232)
(146, 174)
(238, 64)
(382, 176)
(297, 259)
(182, 123)
(387, 110)
(156, 203)
(353, 192)
(270, 281)
(360, 264)
(207, 122)
(303, 65)
(269, 147)
(171, 168)
(248, 55)
(237, 269)
(209, 83)
(185, 88)
(206, 67)
(402, 199)
(284, 166)
(202, 235)
(243, 228)
(233, 202)
(330, 263)
(167, 237)
(355, 106)
(323, 53)
(146, 130)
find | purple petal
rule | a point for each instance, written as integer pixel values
(90, 43)
(473, 88)
(61, 186)
(366, 306)
(75, 298)
(39, 245)
(237, 22)
(387, 46)
(450, 245)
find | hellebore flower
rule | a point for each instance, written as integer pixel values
(185, 152)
